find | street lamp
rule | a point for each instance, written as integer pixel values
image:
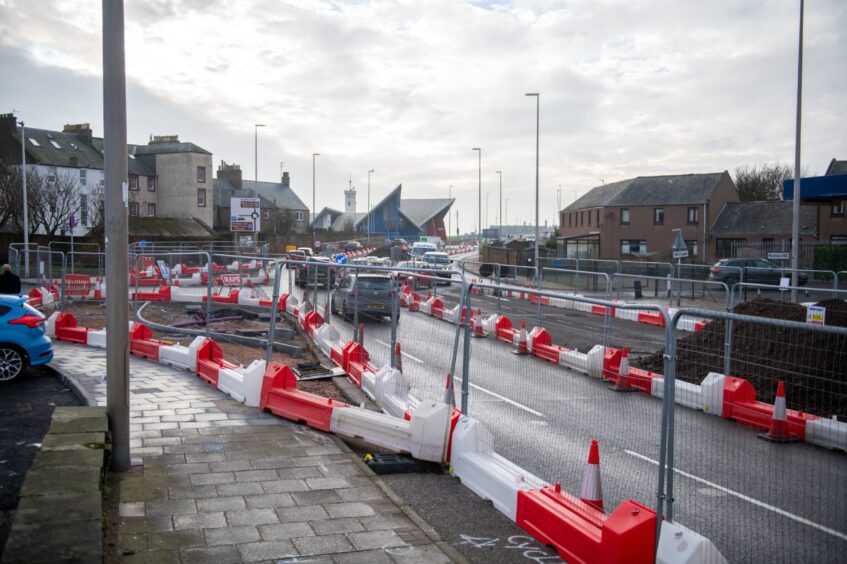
(314, 211)
(500, 215)
(449, 223)
(369, 204)
(537, 137)
(479, 203)
(26, 212)
(507, 211)
(256, 127)
(487, 222)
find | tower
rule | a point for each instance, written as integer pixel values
(350, 206)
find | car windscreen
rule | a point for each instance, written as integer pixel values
(419, 251)
(374, 283)
(437, 259)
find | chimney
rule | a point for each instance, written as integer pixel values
(286, 180)
(230, 172)
(81, 130)
(8, 124)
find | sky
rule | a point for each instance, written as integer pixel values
(408, 88)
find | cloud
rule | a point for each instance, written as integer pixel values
(407, 88)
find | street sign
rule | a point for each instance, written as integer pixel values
(779, 256)
(245, 214)
(341, 259)
(815, 315)
(679, 249)
(142, 244)
(680, 254)
(164, 269)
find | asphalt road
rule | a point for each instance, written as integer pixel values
(757, 501)
(26, 405)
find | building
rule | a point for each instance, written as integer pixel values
(283, 212)
(828, 194)
(393, 216)
(635, 218)
(167, 179)
(753, 229)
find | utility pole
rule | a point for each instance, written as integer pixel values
(500, 214)
(795, 223)
(479, 203)
(537, 97)
(26, 210)
(115, 168)
(449, 224)
(371, 171)
(314, 211)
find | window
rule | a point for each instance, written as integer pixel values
(589, 218)
(267, 214)
(133, 182)
(55, 144)
(51, 174)
(692, 215)
(658, 216)
(151, 210)
(635, 247)
(597, 222)
(133, 209)
(151, 183)
(692, 247)
(570, 219)
(838, 208)
(83, 208)
(624, 216)
(201, 175)
(83, 177)
(34, 142)
(300, 215)
(201, 197)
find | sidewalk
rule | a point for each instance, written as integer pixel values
(215, 481)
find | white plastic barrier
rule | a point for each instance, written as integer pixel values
(829, 433)
(712, 390)
(426, 306)
(291, 305)
(679, 545)
(325, 337)
(179, 356)
(178, 295)
(451, 315)
(392, 391)
(97, 339)
(486, 473)
(686, 393)
(590, 363)
(424, 437)
(489, 324)
(50, 325)
(628, 314)
(248, 297)
(243, 384)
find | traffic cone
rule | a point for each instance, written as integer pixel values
(98, 290)
(449, 396)
(623, 383)
(476, 322)
(520, 340)
(778, 432)
(398, 358)
(591, 492)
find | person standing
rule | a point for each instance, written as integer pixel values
(10, 283)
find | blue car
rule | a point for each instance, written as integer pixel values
(22, 339)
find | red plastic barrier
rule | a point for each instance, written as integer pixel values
(612, 363)
(280, 304)
(533, 298)
(143, 281)
(504, 330)
(35, 298)
(699, 325)
(142, 343)
(437, 308)
(651, 318)
(581, 533)
(311, 321)
(601, 310)
(67, 330)
(77, 285)
(414, 301)
(281, 397)
(454, 419)
(641, 379)
(354, 360)
(162, 295)
(542, 346)
(739, 404)
(210, 359)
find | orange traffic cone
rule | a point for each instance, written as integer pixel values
(449, 395)
(476, 324)
(591, 492)
(622, 383)
(520, 340)
(778, 432)
(398, 358)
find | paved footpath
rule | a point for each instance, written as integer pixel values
(214, 481)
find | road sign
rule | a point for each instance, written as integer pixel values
(164, 269)
(680, 254)
(245, 214)
(779, 256)
(815, 315)
(679, 249)
(142, 244)
(341, 259)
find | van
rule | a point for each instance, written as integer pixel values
(420, 249)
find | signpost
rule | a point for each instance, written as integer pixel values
(779, 256)
(245, 215)
(679, 251)
(164, 269)
(815, 315)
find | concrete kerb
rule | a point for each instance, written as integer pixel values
(76, 387)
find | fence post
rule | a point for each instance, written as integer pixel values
(209, 296)
(64, 278)
(607, 318)
(135, 296)
(499, 291)
(466, 362)
(665, 437)
(727, 348)
(394, 320)
(274, 313)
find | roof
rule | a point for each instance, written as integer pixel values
(70, 147)
(836, 167)
(823, 188)
(157, 148)
(271, 194)
(421, 210)
(333, 214)
(135, 165)
(763, 219)
(169, 227)
(669, 190)
(338, 222)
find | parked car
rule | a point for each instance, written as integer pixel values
(756, 271)
(352, 246)
(22, 339)
(370, 294)
(318, 271)
(438, 261)
(306, 251)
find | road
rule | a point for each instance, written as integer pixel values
(757, 501)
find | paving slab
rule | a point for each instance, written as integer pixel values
(215, 481)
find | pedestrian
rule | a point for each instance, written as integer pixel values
(10, 283)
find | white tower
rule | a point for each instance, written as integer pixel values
(350, 207)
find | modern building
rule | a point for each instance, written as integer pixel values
(828, 194)
(636, 218)
(283, 212)
(167, 179)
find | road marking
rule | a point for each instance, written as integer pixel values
(505, 399)
(407, 355)
(748, 499)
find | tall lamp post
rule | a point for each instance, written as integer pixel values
(507, 211)
(500, 214)
(26, 211)
(479, 203)
(537, 97)
(256, 127)
(449, 223)
(314, 211)
(795, 223)
(369, 204)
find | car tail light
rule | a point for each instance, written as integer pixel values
(31, 321)
(714, 270)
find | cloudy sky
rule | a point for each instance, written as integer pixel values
(628, 88)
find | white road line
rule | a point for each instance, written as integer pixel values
(505, 399)
(749, 499)
(407, 355)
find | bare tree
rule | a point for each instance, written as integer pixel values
(283, 222)
(10, 194)
(58, 199)
(762, 182)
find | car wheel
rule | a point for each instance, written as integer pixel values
(730, 281)
(12, 363)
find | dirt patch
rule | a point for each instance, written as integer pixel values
(813, 365)
(323, 388)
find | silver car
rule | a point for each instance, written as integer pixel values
(370, 294)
